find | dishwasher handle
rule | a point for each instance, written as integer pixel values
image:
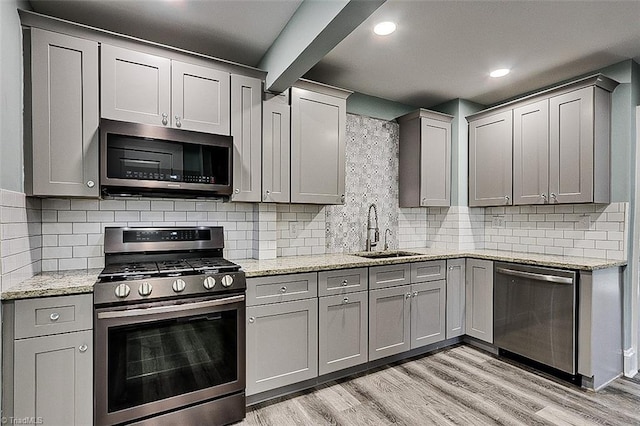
(537, 277)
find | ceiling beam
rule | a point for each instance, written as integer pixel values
(314, 29)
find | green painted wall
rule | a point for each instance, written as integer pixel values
(371, 106)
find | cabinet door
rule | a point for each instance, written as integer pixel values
(282, 344)
(435, 161)
(53, 378)
(428, 303)
(571, 146)
(342, 331)
(246, 129)
(479, 299)
(64, 99)
(135, 86)
(490, 162)
(531, 153)
(199, 98)
(276, 149)
(318, 127)
(455, 298)
(389, 321)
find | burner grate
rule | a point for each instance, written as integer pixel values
(129, 269)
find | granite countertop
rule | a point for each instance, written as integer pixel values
(82, 281)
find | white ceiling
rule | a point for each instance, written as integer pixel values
(442, 49)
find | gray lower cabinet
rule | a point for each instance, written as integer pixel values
(61, 149)
(53, 378)
(342, 331)
(389, 321)
(282, 344)
(456, 270)
(318, 128)
(490, 160)
(48, 359)
(276, 149)
(246, 129)
(479, 299)
(282, 330)
(425, 159)
(428, 304)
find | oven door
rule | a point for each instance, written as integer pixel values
(163, 356)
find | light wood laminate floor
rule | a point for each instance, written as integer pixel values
(456, 386)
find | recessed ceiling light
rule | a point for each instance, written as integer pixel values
(499, 73)
(384, 28)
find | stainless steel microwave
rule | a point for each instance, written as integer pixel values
(150, 160)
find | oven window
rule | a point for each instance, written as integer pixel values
(150, 362)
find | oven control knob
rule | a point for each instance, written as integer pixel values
(145, 289)
(209, 283)
(122, 291)
(227, 280)
(178, 285)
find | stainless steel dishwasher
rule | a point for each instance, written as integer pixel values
(535, 314)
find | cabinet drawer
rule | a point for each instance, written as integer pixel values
(389, 275)
(428, 271)
(342, 281)
(53, 315)
(281, 288)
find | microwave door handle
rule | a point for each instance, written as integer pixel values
(170, 308)
(538, 277)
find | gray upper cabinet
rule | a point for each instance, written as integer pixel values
(246, 129)
(276, 149)
(561, 147)
(318, 128)
(135, 86)
(531, 153)
(479, 299)
(490, 162)
(579, 125)
(456, 269)
(61, 143)
(425, 159)
(149, 89)
(200, 98)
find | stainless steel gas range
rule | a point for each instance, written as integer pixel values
(169, 329)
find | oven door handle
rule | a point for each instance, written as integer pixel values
(537, 277)
(170, 308)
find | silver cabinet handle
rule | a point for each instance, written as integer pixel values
(507, 199)
(283, 289)
(342, 198)
(345, 300)
(252, 320)
(451, 268)
(407, 296)
(54, 316)
(415, 294)
(236, 191)
(344, 283)
(91, 183)
(423, 202)
(83, 348)
(544, 197)
(178, 123)
(554, 197)
(267, 193)
(164, 119)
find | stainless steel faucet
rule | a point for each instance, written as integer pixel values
(386, 242)
(376, 234)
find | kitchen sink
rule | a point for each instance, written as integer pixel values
(386, 254)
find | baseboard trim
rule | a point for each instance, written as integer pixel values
(630, 362)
